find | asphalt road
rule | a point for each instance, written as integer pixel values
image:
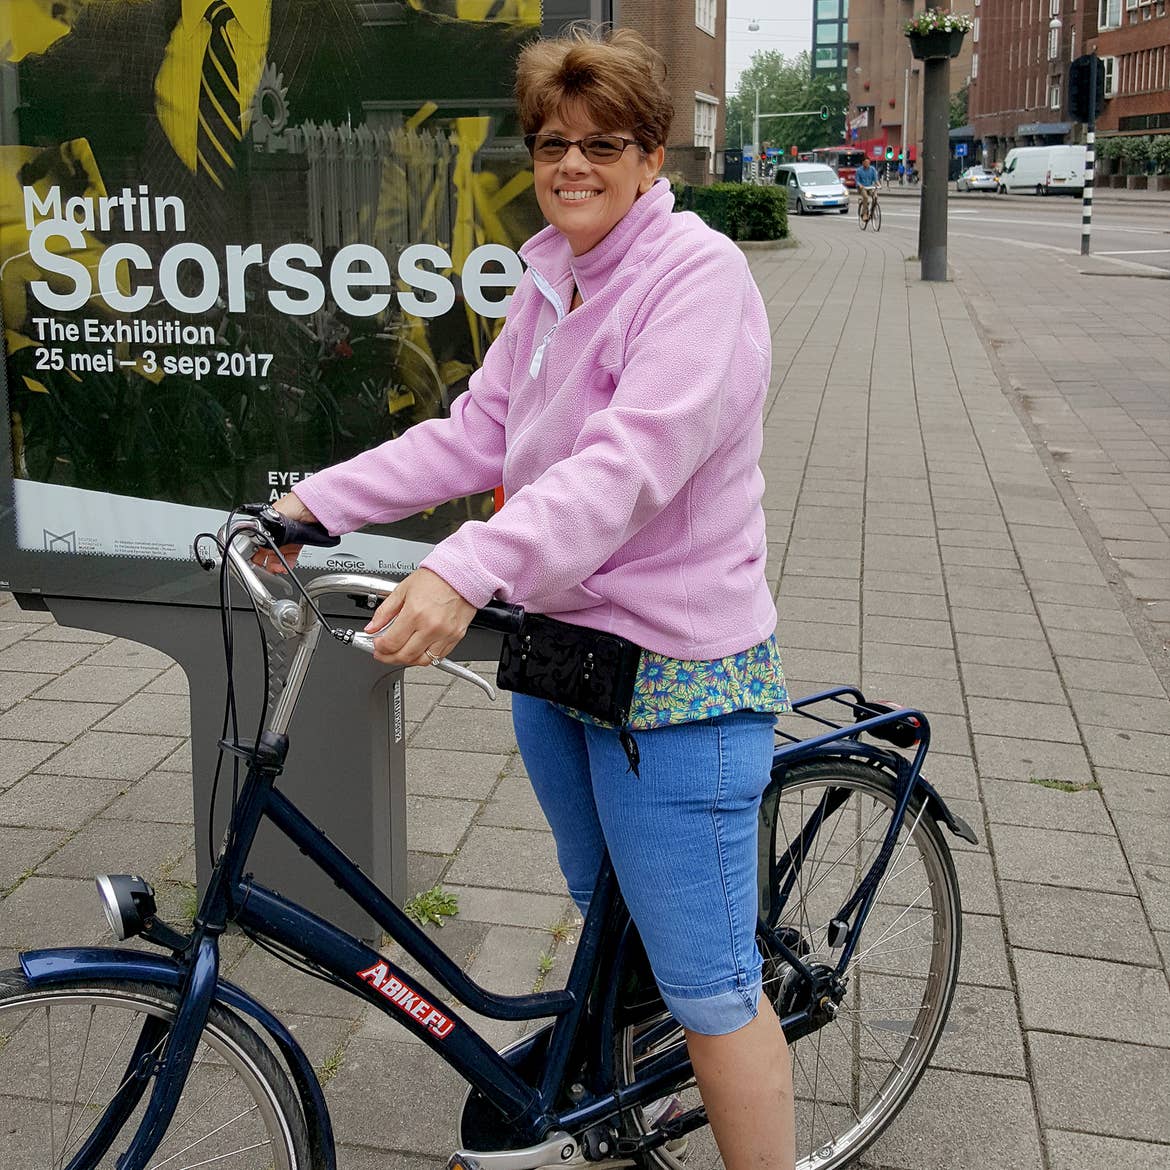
(1130, 234)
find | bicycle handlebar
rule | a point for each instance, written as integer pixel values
(291, 617)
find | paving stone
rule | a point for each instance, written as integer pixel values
(56, 802)
(1145, 837)
(819, 609)
(1106, 647)
(10, 635)
(877, 580)
(1014, 802)
(982, 1033)
(962, 1121)
(53, 912)
(19, 757)
(43, 657)
(1003, 717)
(997, 623)
(1070, 593)
(55, 633)
(172, 681)
(15, 686)
(467, 730)
(954, 778)
(1010, 682)
(793, 635)
(934, 696)
(285, 990)
(179, 760)
(905, 605)
(517, 859)
(1132, 751)
(1010, 600)
(50, 722)
(107, 847)
(908, 631)
(991, 651)
(119, 757)
(105, 684)
(1031, 759)
(926, 662)
(1088, 997)
(977, 888)
(24, 850)
(1121, 678)
(151, 714)
(510, 907)
(1082, 860)
(1085, 1151)
(1154, 886)
(984, 956)
(838, 588)
(1119, 1090)
(358, 1158)
(514, 805)
(415, 1110)
(159, 796)
(122, 652)
(1079, 617)
(1129, 712)
(801, 664)
(437, 825)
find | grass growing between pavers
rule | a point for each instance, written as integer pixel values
(1064, 785)
(432, 905)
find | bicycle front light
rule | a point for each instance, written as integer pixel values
(128, 901)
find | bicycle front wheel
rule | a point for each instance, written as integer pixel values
(65, 1058)
(862, 217)
(875, 216)
(824, 824)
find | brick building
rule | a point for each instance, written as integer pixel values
(1019, 89)
(885, 83)
(692, 36)
(1133, 41)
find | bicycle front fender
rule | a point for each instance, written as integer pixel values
(81, 964)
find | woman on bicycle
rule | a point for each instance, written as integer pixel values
(621, 408)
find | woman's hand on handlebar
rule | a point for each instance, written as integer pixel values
(424, 619)
(291, 506)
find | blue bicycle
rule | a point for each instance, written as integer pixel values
(131, 1059)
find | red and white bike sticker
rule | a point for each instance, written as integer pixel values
(406, 999)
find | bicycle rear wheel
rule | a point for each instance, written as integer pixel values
(862, 216)
(852, 1076)
(65, 1053)
(875, 216)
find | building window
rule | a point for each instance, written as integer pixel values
(1054, 8)
(974, 66)
(1054, 96)
(1053, 43)
(828, 34)
(828, 57)
(1109, 14)
(1109, 64)
(706, 109)
(828, 9)
(705, 15)
(975, 31)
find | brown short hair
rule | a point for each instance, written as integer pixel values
(613, 73)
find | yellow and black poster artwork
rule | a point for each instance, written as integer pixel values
(241, 240)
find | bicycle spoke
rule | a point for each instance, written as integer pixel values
(197, 1141)
(76, 1085)
(52, 1097)
(220, 1157)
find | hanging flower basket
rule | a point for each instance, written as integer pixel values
(935, 33)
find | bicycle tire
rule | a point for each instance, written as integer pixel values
(829, 1132)
(862, 217)
(875, 216)
(248, 1120)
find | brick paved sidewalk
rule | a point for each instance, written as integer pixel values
(924, 541)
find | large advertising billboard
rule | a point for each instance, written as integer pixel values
(240, 240)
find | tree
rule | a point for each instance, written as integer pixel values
(959, 108)
(786, 85)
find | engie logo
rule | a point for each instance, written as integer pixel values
(347, 562)
(407, 1000)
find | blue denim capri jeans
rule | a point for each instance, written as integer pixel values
(682, 836)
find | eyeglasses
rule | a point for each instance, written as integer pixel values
(597, 148)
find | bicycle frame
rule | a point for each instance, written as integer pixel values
(582, 1014)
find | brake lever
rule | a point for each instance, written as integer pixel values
(365, 642)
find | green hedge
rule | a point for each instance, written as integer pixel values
(742, 211)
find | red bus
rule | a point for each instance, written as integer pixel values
(843, 159)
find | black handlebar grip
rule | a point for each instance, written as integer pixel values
(284, 530)
(499, 617)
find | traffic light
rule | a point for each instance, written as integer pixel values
(1084, 104)
(889, 153)
(824, 113)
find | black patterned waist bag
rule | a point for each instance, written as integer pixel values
(574, 666)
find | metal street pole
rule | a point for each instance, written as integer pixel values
(1090, 152)
(932, 220)
(756, 139)
(906, 120)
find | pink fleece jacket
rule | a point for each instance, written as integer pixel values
(626, 434)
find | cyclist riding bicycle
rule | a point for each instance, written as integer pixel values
(866, 177)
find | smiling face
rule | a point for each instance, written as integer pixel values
(583, 199)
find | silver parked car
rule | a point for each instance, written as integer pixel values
(813, 187)
(976, 179)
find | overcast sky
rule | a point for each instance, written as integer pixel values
(785, 26)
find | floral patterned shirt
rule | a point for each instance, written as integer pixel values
(676, 690)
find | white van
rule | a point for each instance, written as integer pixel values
(1046, 170)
